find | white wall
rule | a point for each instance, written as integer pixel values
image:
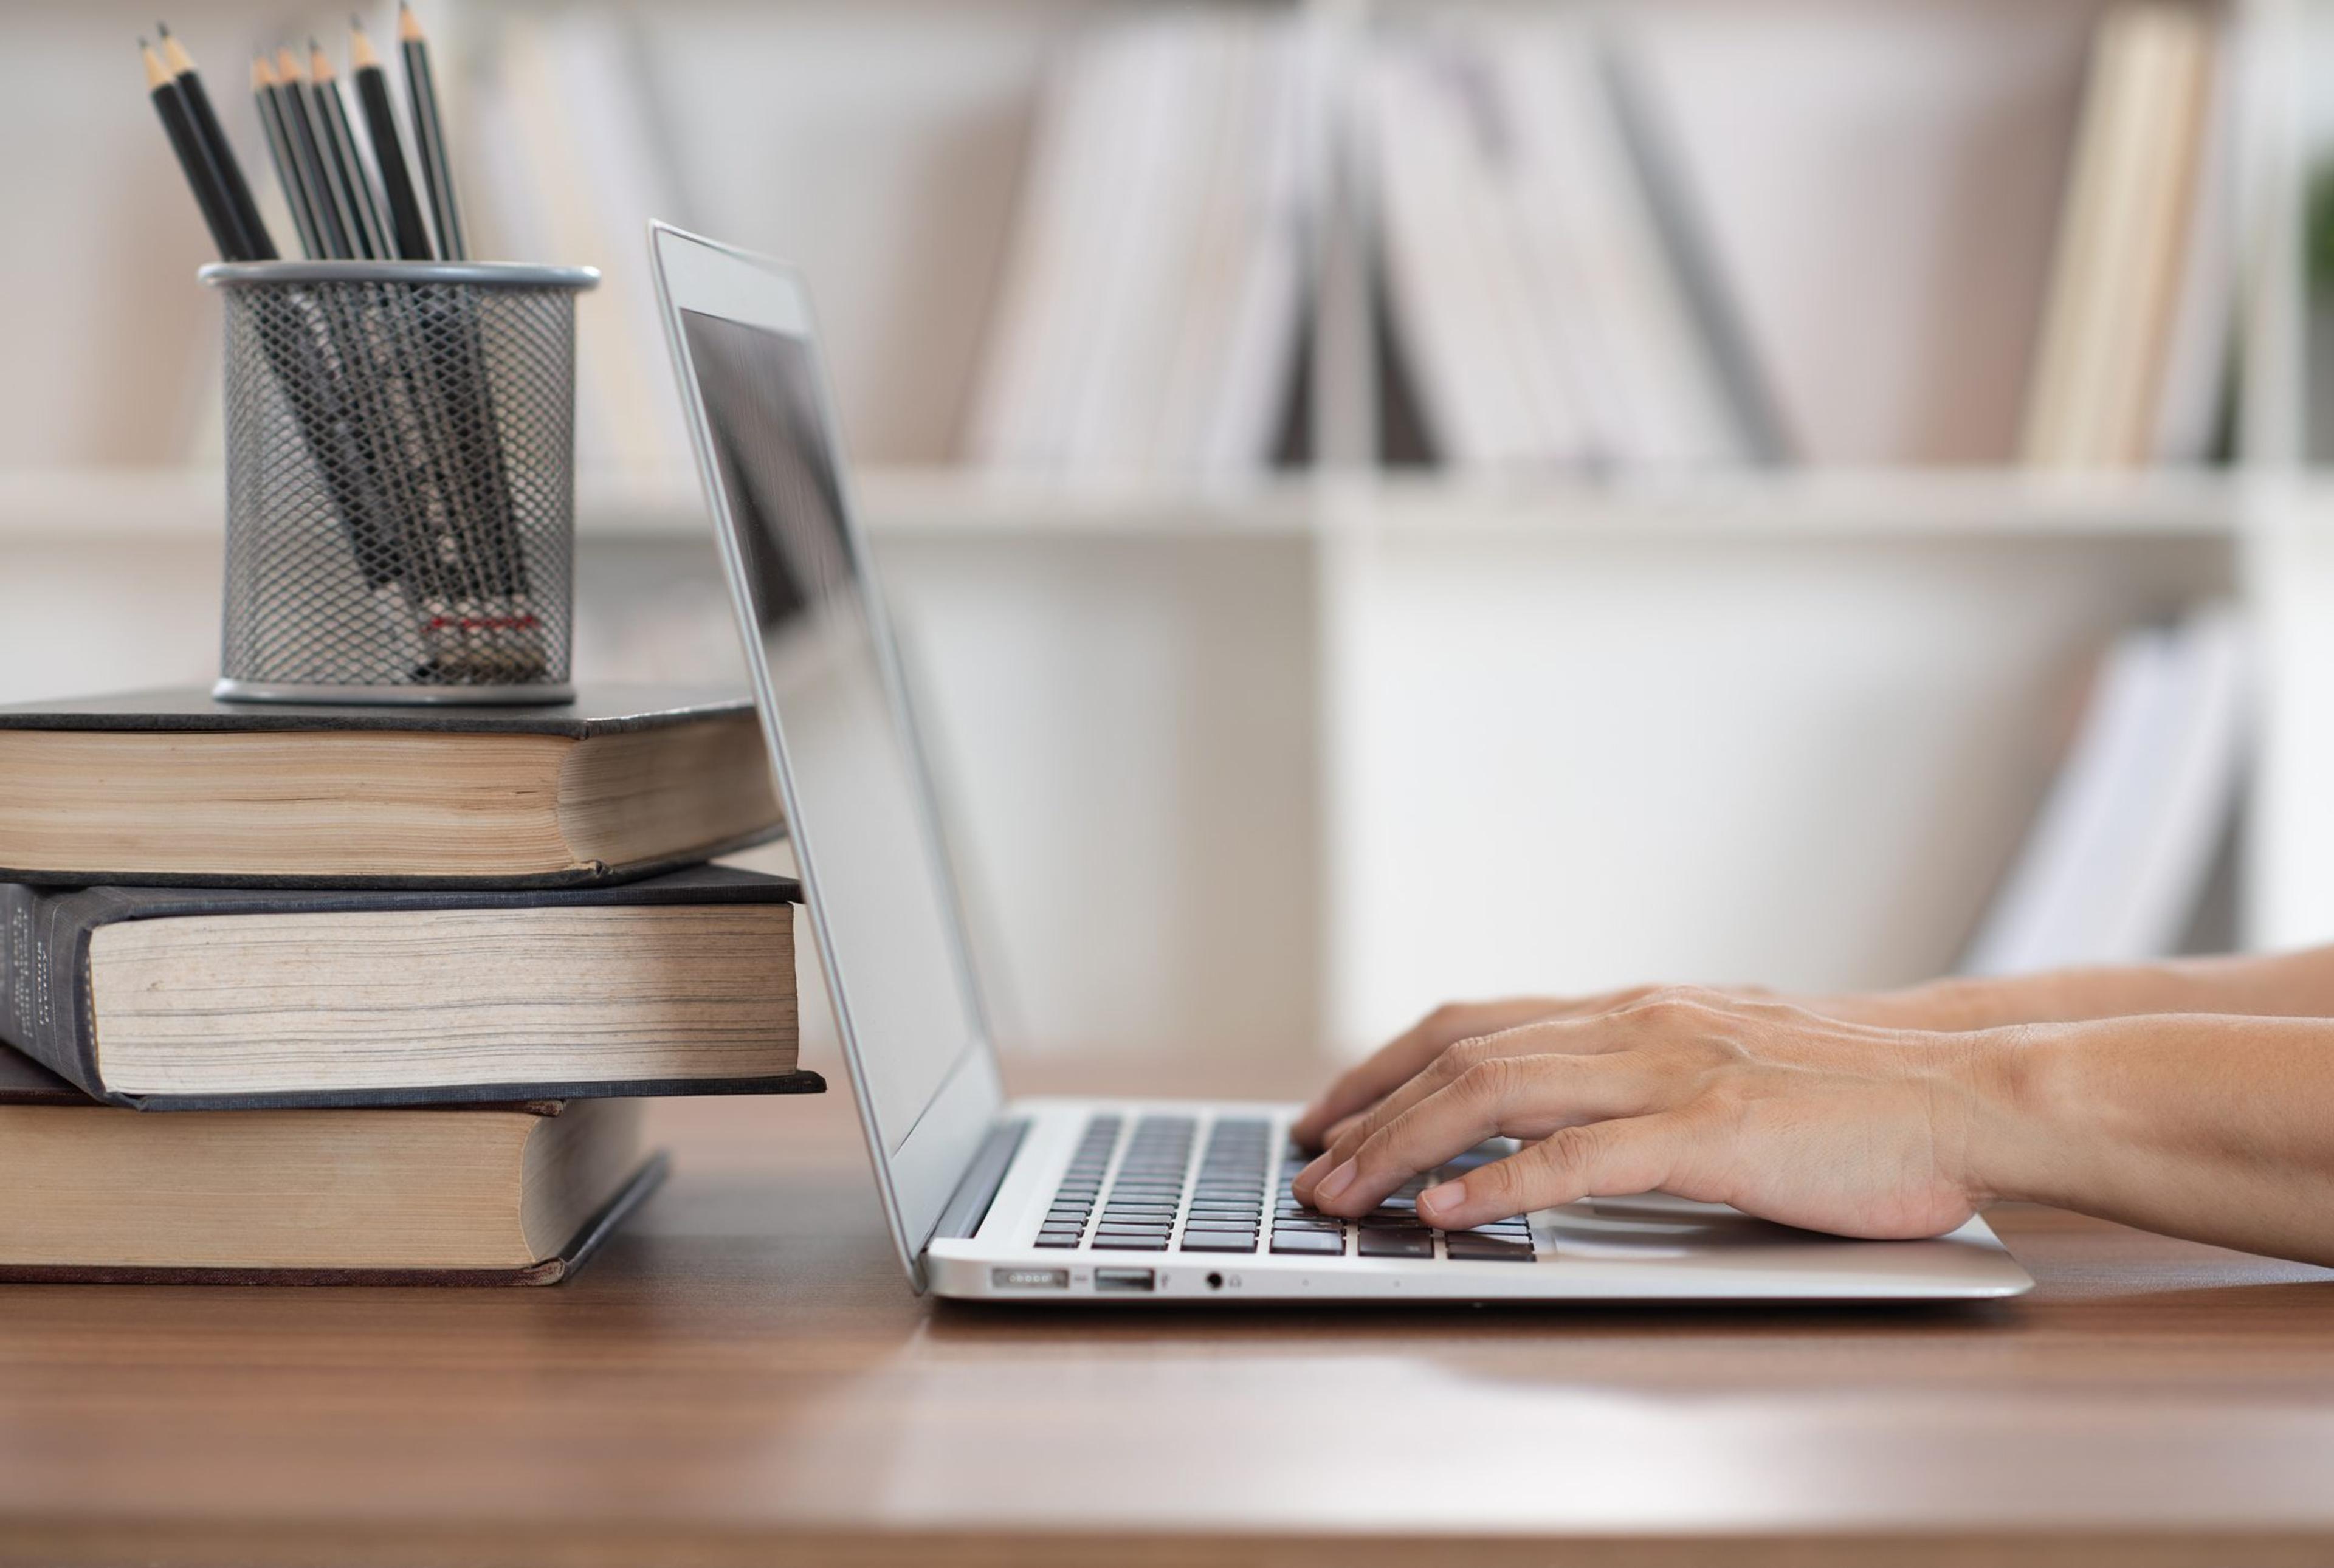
(1568, 765)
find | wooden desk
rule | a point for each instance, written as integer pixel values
(743, 1377)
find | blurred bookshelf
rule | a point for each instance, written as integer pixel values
(1890, 290)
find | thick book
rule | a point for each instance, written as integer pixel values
(178, 998)
(518, 1194)
(2113, 322)
(175, 787)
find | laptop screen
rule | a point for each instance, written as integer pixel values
(863, 829)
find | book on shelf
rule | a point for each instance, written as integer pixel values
(175, 998)
(2118, 859)
(510, 1194)
(2132, 365)
(572, 157)
(1556, 295)
(1149, 314)
(171, 786)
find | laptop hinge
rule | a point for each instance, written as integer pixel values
(969, 1205)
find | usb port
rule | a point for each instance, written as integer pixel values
(1029, 1278)
(1124, 1279)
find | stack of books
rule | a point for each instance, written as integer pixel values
(366, 994)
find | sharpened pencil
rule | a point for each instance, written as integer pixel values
(194, 160)
(264, 99)
(430, 135)
(369, 234)
(388, 148)
(257, 245)
(299, 119)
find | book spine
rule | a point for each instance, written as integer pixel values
(43, 955)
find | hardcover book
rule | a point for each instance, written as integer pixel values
(517, 1194)
(174, 787)
(181, 998)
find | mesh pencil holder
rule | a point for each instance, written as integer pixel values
(400, 481)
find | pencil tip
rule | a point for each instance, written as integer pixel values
(163, 28)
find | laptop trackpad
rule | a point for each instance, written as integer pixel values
(1654, 1225)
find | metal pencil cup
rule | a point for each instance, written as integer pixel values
(400, 481)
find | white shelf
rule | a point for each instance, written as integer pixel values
(959, 502)
(1945, 503)
(1977, 505)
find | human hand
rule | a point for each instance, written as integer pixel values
(1409, 1053)
(1849, 1128)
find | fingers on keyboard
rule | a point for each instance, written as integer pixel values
(1137, 1206)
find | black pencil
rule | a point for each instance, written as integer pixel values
(280, 150)
(430, 135)
(193, 161)
(388, 149)
(257, 245)
(368, 225)
(291, 100)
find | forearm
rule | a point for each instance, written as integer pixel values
(2212, 1127)
(2283, 985)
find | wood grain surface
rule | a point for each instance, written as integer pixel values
(744, 1378)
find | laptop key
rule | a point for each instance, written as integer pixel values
(1395, 1244)
(1465, 1247)
(1325, 1242)
(1220, 1241)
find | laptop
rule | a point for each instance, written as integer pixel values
(990, 1196)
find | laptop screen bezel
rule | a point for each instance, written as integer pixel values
(917, 1177)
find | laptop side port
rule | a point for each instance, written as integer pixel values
(1125, 1279)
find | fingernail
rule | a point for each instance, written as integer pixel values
(1335, 1182)
(1442, 1199)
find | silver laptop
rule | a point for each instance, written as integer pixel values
(1075, 1200)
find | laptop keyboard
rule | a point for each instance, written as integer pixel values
(1239, 1198)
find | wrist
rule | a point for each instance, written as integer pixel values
(2016, 1081)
